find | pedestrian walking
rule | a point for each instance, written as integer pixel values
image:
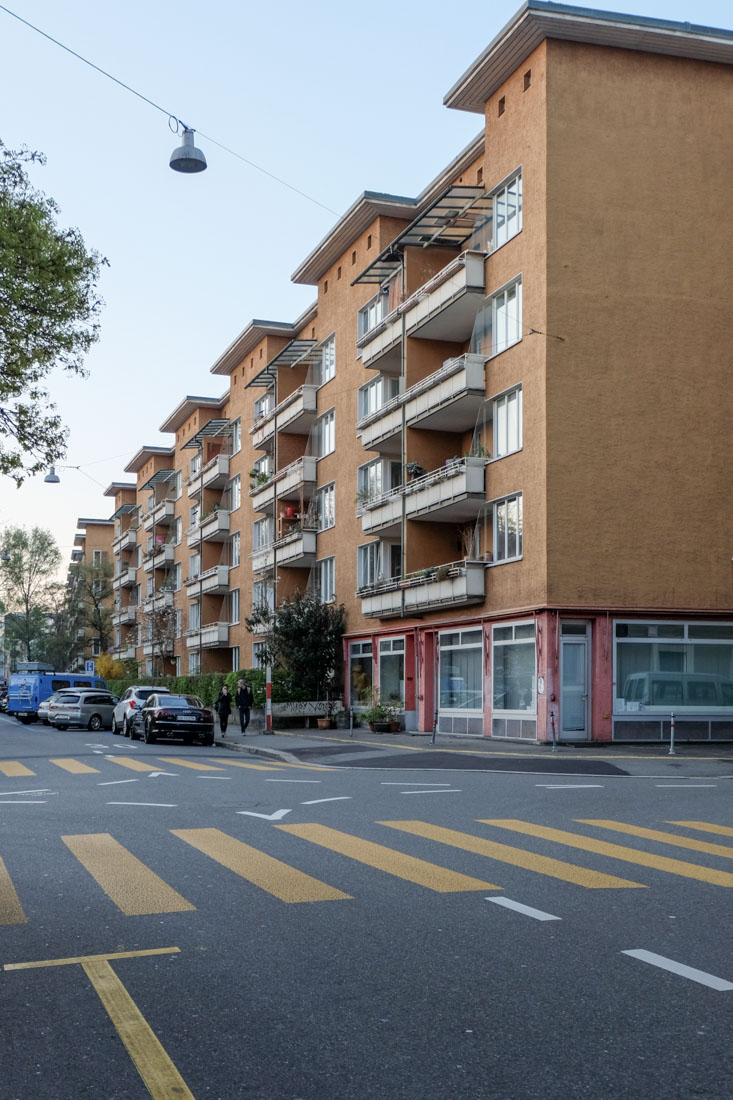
(223, 707)
(244, 700)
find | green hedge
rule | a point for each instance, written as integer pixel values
(208, 685)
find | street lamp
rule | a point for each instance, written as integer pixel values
(52, 478)
(187, 158)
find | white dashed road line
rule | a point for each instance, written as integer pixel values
(338, 798)
(527, 910)
(700, 976)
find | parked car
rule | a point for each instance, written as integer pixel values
(173, 716)
(43, 706)
(4, 700)
(27, 688)
(665, 690)
(134, 698)
(90, 709)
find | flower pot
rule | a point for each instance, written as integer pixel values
(324, 723)
(290, 512)
(395, 727)
(381, 727)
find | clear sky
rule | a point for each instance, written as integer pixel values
(335, 98)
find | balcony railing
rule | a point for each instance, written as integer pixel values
(455, 584)
(297, 550)
(162, 514)
(210, 636)
(215, 528)
(159, 557)
(453, 493)
(125, 616)
(124, 579)
(213, 582)
(159, 601)
(214, 475)
(125, 652)
(294, 414)
(126, 541)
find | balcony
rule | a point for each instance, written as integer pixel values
(162, 600)
(160, 557)
(125, 652)
(454, 493)
(293, 415)
(124, 579)
(125, 616)
(158, 649)
(126, 541)
(296, 550)
(193, 535)
(214, 582)
(215, 528)
(211, 636)
(214, 475)
(456, 584)
(162, 515)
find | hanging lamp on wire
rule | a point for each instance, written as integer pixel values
(187, 158)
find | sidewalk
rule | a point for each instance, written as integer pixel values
(338, 746)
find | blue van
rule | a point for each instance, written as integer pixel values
(26, 690)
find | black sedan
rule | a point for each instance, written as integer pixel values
(183, 717)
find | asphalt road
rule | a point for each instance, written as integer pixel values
(280, 931)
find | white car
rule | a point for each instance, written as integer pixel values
(132, 699)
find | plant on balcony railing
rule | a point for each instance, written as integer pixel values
(258, 478)
(212, 512)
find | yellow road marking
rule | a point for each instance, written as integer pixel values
(74, 766)
(161, 1077)
(394, 863)
(12, 768)
(132, 764)
(662, 838)
(93, 958)
(304, 767)
(704, 827)
(133, 887)
(241, 764)
(518, 857)
(11, 911)
(616, 851)
(271, 875)
(188, 764)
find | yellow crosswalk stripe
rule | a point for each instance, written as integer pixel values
(132, 764)
(269, 874)
(11, 911)
(615, 851)
(704, 827)
(661, 837)
(518, 857)
(74, 766)
(394, 863)
(133, 887)
(254, 767)
(13, 768)
(188, 764)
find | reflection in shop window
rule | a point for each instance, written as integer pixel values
(360, 673)
(392, 671)
(514, 668)
(681, 666)
(461, 680)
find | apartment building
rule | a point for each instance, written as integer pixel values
(500, 436)
(92, 548)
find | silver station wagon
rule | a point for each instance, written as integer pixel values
(90, 709)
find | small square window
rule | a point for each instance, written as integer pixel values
(502, 105)
(527, 79)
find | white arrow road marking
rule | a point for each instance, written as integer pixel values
(153, 775)
(315, 801)
(116, 782)
(690, 972)
(528, 911)
(267, 817)
(91, 746)
(170, 805)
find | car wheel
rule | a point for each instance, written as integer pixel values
(209, 739)
(187, 739)
(45, 721)
(126, 728)
(149, 735)
(115, 727)
(95, 723)
(61, 727)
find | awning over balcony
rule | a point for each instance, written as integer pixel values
(160, 478)
(459, 212)
(288, 357)
(215, 426)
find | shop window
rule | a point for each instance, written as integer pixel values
(663, 666)
(461, 670)
(392, 671)
(514, 667)
(360, 673)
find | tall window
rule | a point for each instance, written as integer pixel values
(460, 660)
(375, 394)
(194, 516)
(195, 464)
(236, 543)
(372, 313)
(507, 210)
(515, 666)
(326, 506)
(236, 436)
(235, 493)
(194, 663)
(506, 317)
(178, 618)
(325, 367)
(234, 606)
(262, 533)
(194, 615)
(392, 671)
(367, 564)
(96, 557)
(325, 580)
(177, 577)
(178, 535)
(508, 528)
(324, 437)
(177, 484)
(264, 405)
(194, 565)
(235, 657)
(508, 422)
(263, 595)
(360, 673)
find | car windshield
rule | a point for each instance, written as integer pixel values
(67, 697)
(145, 693)
(181, 701)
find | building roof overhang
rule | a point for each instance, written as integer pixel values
(83, 521)
(537, 20)
(142, 456)
(216, 426)
(254, 333)
(116, 487)
(188, 407)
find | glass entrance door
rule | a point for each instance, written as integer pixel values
(574, 694)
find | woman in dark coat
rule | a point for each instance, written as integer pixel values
(223, 707)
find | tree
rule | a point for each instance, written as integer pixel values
(28, 563)
(93, 586)
(48, 311)
(304, 635)
(59, 644)
(159, 629)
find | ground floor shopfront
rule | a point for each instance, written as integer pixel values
(594, 677)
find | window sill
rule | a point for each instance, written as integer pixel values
(503, 561)
(498, 458)
(495, 354)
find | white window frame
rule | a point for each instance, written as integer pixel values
(235, 492)
(506, 316)
(178, 529)
(531, 711)
(368, 563)
(235, 658)
(234, 606)
(499, 555)
(262, 533)
(264, 405)
(372, 313)
(326, 365)
(325, 580)
(326, 506)
(325, 434)
(236, 436)
(507, 413)
(501, 197)
(263, 595)
(236, 549)
(177, 577)
(371, 397)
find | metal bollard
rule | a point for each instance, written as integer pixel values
(351, 721)
(671, 735)
(554, 735)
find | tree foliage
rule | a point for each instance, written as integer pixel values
(92, 586)
(28, 563)
(48, 316)
(304, 636)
